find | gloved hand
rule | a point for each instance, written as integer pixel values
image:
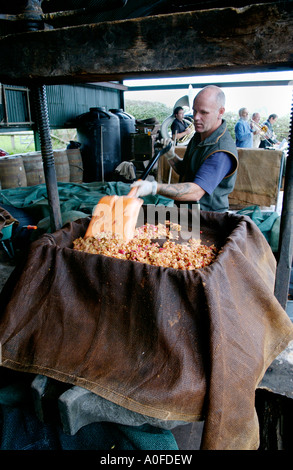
(145, 188)
(171, 153)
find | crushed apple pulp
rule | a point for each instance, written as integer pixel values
(141, 248)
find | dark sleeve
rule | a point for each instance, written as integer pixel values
(213, 170)
(178, 126)
(174, 126)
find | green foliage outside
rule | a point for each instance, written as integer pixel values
(147, 109)
(281, 127)
(18, 143)
(24, 142)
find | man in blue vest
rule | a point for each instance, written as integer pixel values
(208, 169)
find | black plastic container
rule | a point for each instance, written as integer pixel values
(127, 127)
(98, 132)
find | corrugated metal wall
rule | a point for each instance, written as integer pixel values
(65, 102)
(16, 104)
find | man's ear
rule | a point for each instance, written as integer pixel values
(221, 112)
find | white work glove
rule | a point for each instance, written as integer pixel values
(145, 188)
(171, 153)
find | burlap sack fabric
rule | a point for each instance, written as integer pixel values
(171, 344)
(5, 219)
(258, 177)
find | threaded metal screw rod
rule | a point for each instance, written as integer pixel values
(42, 120)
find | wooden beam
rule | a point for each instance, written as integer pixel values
(228, 40)
(115, 86)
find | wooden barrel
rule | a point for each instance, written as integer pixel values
(62, 166)
(75, 165)
(34, 169)
(12, 172)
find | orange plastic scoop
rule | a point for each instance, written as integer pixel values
(116, 214)
(119, 214)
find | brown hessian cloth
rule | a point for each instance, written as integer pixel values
(170, 344)
(6, 219)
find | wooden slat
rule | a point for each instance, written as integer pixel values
(258, 37)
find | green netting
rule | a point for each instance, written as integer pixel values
(267, 222)
(76, 200)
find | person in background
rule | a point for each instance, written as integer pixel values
(270, 139)
(256, 130)
(209, 167)
(179, 125)
(243, 131)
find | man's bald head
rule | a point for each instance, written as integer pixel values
(215, 93)
(208, 110)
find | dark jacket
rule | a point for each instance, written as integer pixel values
(196, 153)
(179, 126)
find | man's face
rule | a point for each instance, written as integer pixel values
(244, 114)
(207, 114)
(256, 118)
(180, 114)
